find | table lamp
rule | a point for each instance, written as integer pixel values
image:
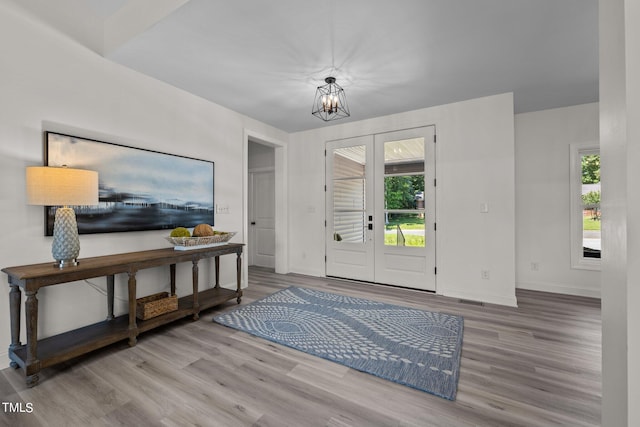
(62, 186)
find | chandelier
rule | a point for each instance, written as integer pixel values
(330, 102)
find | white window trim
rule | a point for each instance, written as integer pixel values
(578, 260)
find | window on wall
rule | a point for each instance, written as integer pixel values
(585, 206)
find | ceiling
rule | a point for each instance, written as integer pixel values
(265, 59)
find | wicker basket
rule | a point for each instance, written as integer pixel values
(155, 305)
(220, 237)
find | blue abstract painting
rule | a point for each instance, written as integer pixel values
(138, 189)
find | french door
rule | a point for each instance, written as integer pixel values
(380, 204)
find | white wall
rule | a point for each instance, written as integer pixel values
(543, 198)
(474, 163)
(49, 82)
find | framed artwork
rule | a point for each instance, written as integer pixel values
(138, 189)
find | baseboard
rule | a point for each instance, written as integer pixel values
(558, 288)
(311, 273)
(481, 297)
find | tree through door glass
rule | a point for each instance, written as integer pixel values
(404, 197)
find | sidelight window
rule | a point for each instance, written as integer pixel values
(586, 215)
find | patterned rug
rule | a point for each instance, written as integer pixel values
(417, 348)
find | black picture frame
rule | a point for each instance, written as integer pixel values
(139, 189)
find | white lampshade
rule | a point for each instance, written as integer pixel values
(61, 186)
(54, 186)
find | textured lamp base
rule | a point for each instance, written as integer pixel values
(66, 243)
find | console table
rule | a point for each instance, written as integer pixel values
(37, 354)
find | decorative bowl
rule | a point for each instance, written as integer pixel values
(181, 243)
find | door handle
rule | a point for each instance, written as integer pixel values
(253, 223)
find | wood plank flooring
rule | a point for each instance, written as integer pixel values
(536, 365)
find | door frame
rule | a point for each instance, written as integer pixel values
(281, 196)
(434, 200)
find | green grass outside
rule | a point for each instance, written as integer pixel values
(409, 222)
(391, 239)
(589, 224)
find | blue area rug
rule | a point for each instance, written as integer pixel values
(417, 348)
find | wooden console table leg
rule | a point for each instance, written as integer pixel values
(133, 326)
(15, 300)
(110, 296)
(217, 264)
(238, 277)
(32, 364)
(196, 304)
(172, 273)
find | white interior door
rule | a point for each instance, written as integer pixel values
(381, 208)
(262, 219)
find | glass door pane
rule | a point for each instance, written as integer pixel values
(349, 202)
(404, 193)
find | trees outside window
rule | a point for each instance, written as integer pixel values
(585, 206)
(590, 193)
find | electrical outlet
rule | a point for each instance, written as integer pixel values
(484, 274)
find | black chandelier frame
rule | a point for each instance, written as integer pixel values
(330, 102)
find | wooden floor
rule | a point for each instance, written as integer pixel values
(537, 365)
